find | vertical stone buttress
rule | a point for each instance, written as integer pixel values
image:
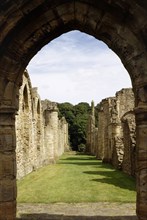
(7, 164)
(91, 132)
(141, 152)
(27, 135)
(66, 136)
(50, 114)
(129, 140)
(100, 138)
(106, 129)
(62, 136)
(38, 131)
(141, 170)
(8, 107)
(124, 104)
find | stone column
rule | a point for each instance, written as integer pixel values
(66, 141)
(54, 123)
(141, 166)
(7, 164)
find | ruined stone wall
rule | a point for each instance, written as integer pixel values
(129, 137)
(124, 104)
(25, 130)
(63, 144)
(40, 136)
(50, 121)
(91, 132)
(114, 142)
(55, 132)
(107, 106)
(106, 111)
(38, 132)
(100, 135)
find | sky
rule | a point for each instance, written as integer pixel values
(76, 67)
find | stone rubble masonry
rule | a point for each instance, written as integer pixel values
(91, 131)
(41, 137)
(114, 138)
(129, 139)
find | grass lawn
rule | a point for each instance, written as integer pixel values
(75, 179)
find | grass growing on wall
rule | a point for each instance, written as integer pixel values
(74, 179)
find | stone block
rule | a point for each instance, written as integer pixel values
(7, 140)
(7, 190)
(7, 165)
(8, 210)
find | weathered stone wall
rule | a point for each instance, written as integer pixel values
(114, 142)
(63, 142)
(100, 135)
(40, 136)
(91, 132)
(129, 139)
(107, 107)
(124, 104)
(55, 132)
(38, 131)
(25, 130)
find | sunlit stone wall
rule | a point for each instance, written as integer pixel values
(115, 138)
(41, 136)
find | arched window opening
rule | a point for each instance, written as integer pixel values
(38, 107)
(25, 99)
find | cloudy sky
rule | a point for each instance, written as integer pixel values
(77, 68)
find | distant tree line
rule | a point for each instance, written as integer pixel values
(77, 118)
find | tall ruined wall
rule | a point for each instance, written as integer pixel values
(40, 136)
(115, 138)
(129, 137)
(124, 103)
(50, 121)
(25, 130)
(108, 107)
(55, 132)
(63, 142)
(91, 132)
(38, 131)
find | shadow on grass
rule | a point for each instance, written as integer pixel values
(89, 160)
(44, 216)
(80, 163)
(109, 175)
(80, 158)
(114, 177)
(85, 161)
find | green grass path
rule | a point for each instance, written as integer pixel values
(75, 179)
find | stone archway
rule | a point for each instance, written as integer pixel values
(26, 26)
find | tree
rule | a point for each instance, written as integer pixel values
(67, 110)
(77, 117)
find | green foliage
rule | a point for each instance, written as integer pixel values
(67, 110)
(81, 147)
(76, 178)
(77, 117)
